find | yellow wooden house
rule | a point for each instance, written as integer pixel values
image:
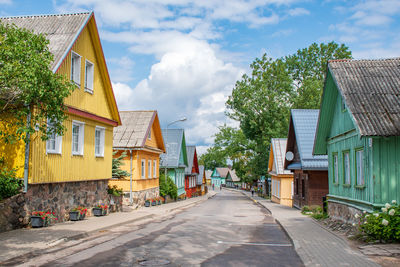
(140, 138)
(281, 179)
(73, 169)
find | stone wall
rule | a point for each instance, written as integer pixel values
(55, 197)
(139, 197)
(343, 212)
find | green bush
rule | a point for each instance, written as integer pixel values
(167, 187)
(115, 191)
(9, 184)
(383, 225)
(314, 211)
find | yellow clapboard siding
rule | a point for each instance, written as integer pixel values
(95, 103)
(49, 168)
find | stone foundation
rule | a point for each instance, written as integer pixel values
(342, 212)
(55, 197)
(139, 197)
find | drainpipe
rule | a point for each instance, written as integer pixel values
(130, 193)
(27, 142)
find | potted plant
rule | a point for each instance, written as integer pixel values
(82, 212)
(100, 210)
(74, 214)
(147, 203)
(153, 202)
(158, 201)
(42, 218)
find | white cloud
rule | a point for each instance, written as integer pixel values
(5, 2)
(121, 69)
(299, 11)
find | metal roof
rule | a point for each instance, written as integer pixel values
(371, 90)
(173, 139)
(278, 147)
(305, 124)
(200, 175)
(190, 156)
(208, 174)
(61, 30)
(222, 171)
(232, 174)
(134, 129)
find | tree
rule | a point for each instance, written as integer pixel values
(117, 172)
(261, 102)
(212, 158)
(28, 86)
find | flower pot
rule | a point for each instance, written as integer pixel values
(97, 212)
(74, 215)
(153, 203)
(37, 221)
(147, 203)
(82, 216)
(104, 212)
(159, 202)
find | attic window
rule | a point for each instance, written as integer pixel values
(344, 107)
(149, 136)
(89, 70)
(75, 68)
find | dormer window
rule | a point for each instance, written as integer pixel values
(89, 70)
(75, 68)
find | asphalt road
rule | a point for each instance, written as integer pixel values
(226, 230)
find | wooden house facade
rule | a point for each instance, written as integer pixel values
(208, 174)
(78, 165)
(201, 181)
(191, 171)
(359, 130)
(310, 172)
(175, 160)
(140, 139)
(281, 179)
(218, 177)
(232, 180)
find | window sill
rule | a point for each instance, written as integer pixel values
(346, 185)
(99, 156)
(90, 91)
(360, 186)
(76, 154)
(335, 184)
(53, 153)
(77, 84)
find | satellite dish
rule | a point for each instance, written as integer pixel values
(289, 155)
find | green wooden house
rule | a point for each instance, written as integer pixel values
(218, 177)
(175, 160)
(359, 129)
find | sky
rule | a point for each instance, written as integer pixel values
(183, 57)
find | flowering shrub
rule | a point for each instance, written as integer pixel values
(47, 216)
(102, 206)
(383, 225)
(80, 209)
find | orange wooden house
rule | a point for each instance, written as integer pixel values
(140, 138)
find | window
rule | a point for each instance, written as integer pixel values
(75, 68)
(143, 169)
(99, 141)
(89, 70)
(154, 168)
(53, 144)
(346, 167)
(360, 167)
(343, 105)
(149, 168)
(335, 169)
(77, 137)
(149, 136)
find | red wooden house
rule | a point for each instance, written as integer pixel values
(191, 171)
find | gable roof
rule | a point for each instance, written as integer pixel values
(190, 152)
(135, 128)
(222, 171)
(233, 176)
(371, 90)
(62, 31)
(208, 174)
(302, 128)
(200, 175)
(277, 151)
(174, 140)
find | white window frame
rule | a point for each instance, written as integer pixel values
(143, 168)
(149, 169)
(154, 168)
(89, 77)
(76, 76)
(346, 168)
(57, 142)
(336, 168)
(81, 138)
(360, 167)
(102, 131)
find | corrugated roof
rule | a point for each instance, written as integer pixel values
(278, 146)
(232, 174)
(61, 30)
(305, 124)
(134, 129)
(173, 139)
(223, 172)
(371, 90)
(190, 156)
(200, 175)
(208, 174)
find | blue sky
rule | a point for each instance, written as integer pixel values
(183, 57)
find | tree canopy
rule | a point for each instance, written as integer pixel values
(29, 86)
(261, 103)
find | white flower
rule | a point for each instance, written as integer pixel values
(385, 222)
(366, 216)
(364, 211)
(394, 201)
(391, 212)
(384, 209)
(376, 215)
(387, 205)
(354, 224)
(357, 216)
(365, 222)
